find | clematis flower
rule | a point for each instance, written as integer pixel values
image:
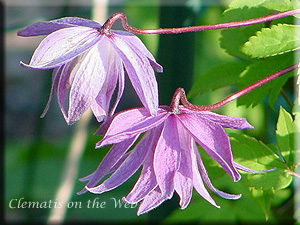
(167, 153)
(89, 63)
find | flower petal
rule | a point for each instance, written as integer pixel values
(167, 157)
(183, 180)
(213, 139)
(130, 123)
(206, 179)
(246, 169)
(197, 179)
(63, 85)
(55, 80)
(151, 201)
(128, 167)
(139, 72)
(47, 27)
(224, 121)
(108, 162)
(63, 45)
(147, 181)
(134, 42)
(88, 76)
(114, 70)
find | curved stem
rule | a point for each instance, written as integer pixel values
(111, 20)
(179, 94)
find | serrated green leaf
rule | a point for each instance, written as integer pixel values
(232, 39)
(259, 70)
(256, 155)
(275, 40)
(285, 135)
(217, 77)
(279, 5)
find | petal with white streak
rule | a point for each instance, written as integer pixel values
(47, 27)
(88, 74)
(62, 46)
(213, 139)
(130, 123)
(139, 72)
(127, 168)
(110, 159)
(147, 181)
(151, 201)
(183, 180)
(167, 157)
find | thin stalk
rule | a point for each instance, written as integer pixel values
(70, 171)
(286, 98)
(179, 94)
(111, 20)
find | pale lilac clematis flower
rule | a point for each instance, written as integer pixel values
(168, 154)
(91, 63)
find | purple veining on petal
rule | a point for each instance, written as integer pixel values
(128, 167)
(62, 46)
(167, 157)
(213, 139)
(139, 72)
(47, 27)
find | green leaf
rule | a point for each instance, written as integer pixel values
(276, 40)
(285, 135)
(259, 70)
(298, 85)
(263, 198)
(232, 39)
(253, 154)
(217, 77)
(279, 5)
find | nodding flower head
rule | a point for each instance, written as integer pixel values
(89, 63)
(168, 155)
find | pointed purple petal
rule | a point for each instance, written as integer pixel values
(183, 180)
(213, 139)
(139, 72)
(63, 45)
(63, 86)
(246, 169)
(151, 201)
(224, 121)
(78, 22)
(167, 157)
(121, 82)
(114, 71)
(47, 27)
(147, 181)
(89, 75)
(128, 167)
(111, 158)
(55, 80)
(134, 42)
(197, 179)
(130, 123)
(206, 179)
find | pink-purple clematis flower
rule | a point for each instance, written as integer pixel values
(90, 63)
(167, 153)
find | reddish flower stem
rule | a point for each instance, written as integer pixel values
(179, 95)
(111, 20)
